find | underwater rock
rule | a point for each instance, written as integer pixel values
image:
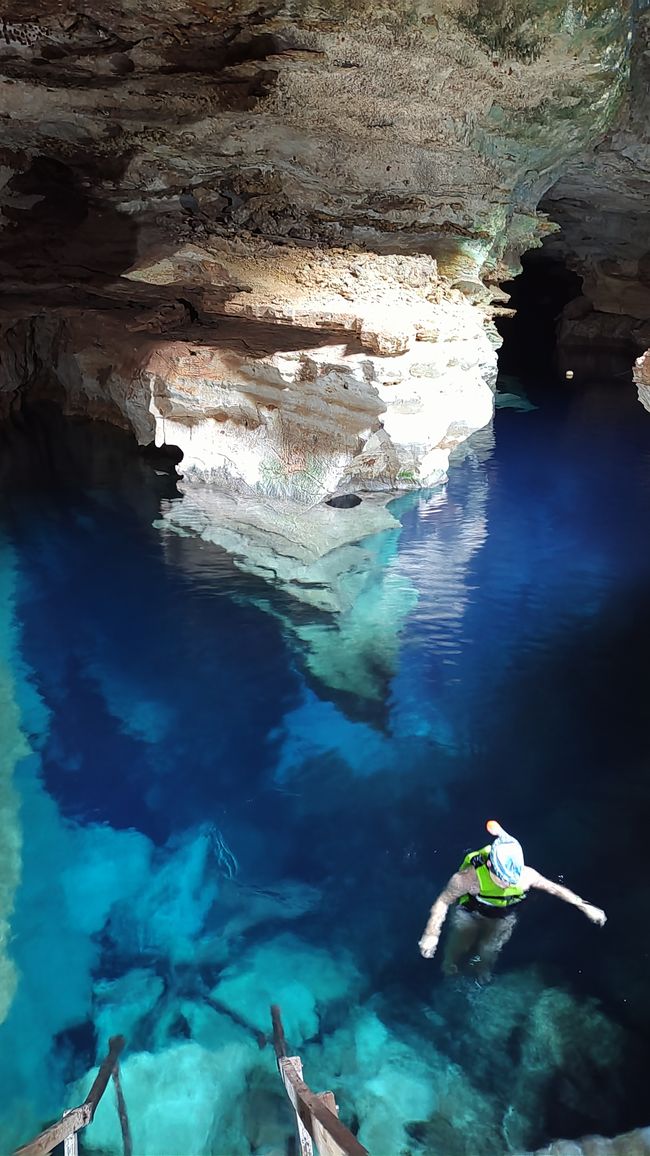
(511, 394)
(186, 1098)
(338, 562)
(13, 748)
(174, 898)
(558, 1040)
(402, 1088)
(636, 1143)
(312, 554)
(119, 1005)
(513, 401)
(252, 905)
(292, 973)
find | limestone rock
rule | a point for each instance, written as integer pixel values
(642, 379)
(321, 176)
(635, 1143)
(602, 203)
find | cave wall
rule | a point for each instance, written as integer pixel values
(276, 233)
(602, 204)
(642, 379)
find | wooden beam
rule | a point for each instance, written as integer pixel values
(115, 1046)
(294, 1065)
(70, 1145)
(279, 1042)
(58, 1133)
(331, 1137)
(125, 1127)
(80, 1117)
(316, 1115)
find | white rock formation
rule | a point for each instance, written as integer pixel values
(642, 379)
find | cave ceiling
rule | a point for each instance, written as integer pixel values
(132, 131)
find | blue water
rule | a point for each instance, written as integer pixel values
(205, 816)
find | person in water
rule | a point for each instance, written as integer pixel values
(486, 890)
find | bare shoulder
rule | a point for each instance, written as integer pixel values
(462, 883)
(532, 878)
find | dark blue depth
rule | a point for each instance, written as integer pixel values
(526, 657)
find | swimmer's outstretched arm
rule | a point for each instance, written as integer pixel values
(462, 883)
(532, 878)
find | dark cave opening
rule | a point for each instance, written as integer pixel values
(538, 295)
(41, 445)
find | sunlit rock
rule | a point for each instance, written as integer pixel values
(278, 198)
(642, 379)
(306, 374)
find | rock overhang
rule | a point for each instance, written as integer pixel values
(339, 173)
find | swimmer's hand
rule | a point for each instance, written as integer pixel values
(595, 914)
(428, 945)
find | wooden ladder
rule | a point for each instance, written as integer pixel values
(65, 1130)
(317, 1122)
(317, 1118)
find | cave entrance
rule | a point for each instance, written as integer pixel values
(538, 294)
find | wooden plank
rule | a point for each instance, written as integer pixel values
(79, 1117)
(125, 1127)
(291, 1072)
(70, 1145)
(321, 1137)
(331, 1136)
(115, 1046)
(57, 1134)
(279, 1041)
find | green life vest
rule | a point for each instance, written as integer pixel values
(490, 893)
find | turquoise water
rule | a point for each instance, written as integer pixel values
(199, 817)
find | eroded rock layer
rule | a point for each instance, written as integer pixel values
(602, 204)
(642, 379)
(337, 181)
(331, 372)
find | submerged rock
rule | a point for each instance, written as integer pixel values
(13, 748)
(636, 1143)
(513, 401)
(335, 563)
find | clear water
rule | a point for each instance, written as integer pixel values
(202, 826)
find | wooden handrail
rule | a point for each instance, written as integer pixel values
(279, 1041)
(79, 1117)
(125, 1127)
(100, 1083)
(316, 1115)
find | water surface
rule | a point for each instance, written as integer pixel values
(204, 825)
